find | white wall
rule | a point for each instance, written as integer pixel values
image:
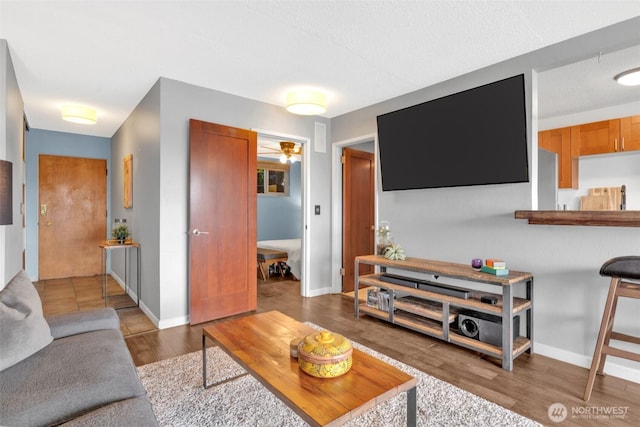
(458, 224)
(11, 131)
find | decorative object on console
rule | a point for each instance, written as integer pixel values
(496, 267)
(325, 355)
(383, 238)
(394, 252)
(120, 230)
(476, 263)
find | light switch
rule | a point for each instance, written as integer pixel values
(317, 209)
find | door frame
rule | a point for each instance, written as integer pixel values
(336, 201)
(305, 280)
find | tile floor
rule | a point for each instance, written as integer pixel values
(84, 293)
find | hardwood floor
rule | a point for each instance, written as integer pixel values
(535, 383)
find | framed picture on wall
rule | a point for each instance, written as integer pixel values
(128, 182)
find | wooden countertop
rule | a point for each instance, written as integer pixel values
(586, 218)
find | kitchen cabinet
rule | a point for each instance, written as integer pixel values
(608, 136)
(559, 141)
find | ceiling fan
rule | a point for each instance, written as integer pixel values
(286, 149)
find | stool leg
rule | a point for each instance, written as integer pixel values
(261, 265)
(607, 335)
(604, 325)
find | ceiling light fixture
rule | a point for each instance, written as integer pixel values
(306, 102)
(288, 150)
(629, 78)
(79, 114)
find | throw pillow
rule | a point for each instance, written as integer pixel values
(23, 329)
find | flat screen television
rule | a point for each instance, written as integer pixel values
(474, 137)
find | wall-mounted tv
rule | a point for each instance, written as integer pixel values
(474, 137)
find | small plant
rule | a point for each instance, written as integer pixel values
(120, 232)
(394, 252)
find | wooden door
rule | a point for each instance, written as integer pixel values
(72, 216)
(222, 221)
(358, 220)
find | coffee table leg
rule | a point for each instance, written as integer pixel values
(204, 361)
(411, 407)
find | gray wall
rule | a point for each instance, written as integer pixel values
(157, 134)
(458, 224)
(280, 217)
(11, 134)
(139, 135)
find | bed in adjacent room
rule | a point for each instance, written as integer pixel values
(292, 248)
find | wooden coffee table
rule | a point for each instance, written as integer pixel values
(260, 344)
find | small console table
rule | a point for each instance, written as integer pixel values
(432, 313)
(109, 246)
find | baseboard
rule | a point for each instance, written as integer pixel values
(149, 314)
(176, 321)
(318, 292)
(610, 368)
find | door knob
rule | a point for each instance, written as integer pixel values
(197, 232)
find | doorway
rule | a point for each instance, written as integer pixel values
(364, 143)
(358, 220)
(269, 135)
(72, 216)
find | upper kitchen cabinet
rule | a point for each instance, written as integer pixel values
(608, 136)
(559, 141)
(630, 130)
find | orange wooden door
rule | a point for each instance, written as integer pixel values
(358, 236)
(222, 221)
(72, 216)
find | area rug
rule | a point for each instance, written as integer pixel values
(178, 398)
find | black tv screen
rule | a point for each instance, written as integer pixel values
(475, 137)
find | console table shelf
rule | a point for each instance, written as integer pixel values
(435, 314)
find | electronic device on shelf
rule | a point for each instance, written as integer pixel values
(425, 285)
(484, 327)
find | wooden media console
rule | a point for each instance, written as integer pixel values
(435, 314)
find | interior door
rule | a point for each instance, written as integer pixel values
(222, 221)
(358, 212)
(72, 216)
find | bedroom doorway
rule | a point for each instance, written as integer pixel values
(283, 218)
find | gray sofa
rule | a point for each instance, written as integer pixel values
(70, 370)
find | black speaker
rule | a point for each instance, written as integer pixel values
(485, 327)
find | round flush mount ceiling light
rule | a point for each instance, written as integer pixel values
(629, 77)
(306, 102)
(79, 114)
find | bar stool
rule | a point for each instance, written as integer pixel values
(619, 269)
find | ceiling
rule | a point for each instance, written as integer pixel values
(108, 54)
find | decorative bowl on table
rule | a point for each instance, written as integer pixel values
(325, 355)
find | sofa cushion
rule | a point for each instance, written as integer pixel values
(78, 322)
(23, 329)
(68, 378)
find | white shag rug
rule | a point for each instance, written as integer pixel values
(175, 389)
